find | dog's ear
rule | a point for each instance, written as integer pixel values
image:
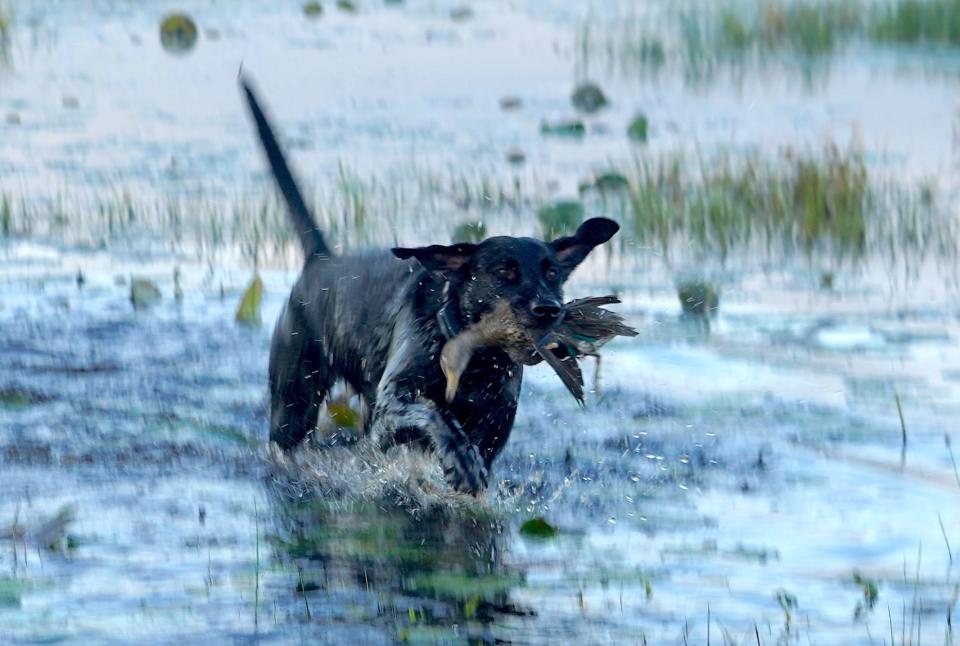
(571, 250)
(445, 259)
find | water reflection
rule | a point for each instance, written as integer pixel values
(425, 574)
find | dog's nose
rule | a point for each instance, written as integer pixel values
(546, 310)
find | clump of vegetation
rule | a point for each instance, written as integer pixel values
(799, 200)
(637, 129)
(698, 298)
(5, 21)
(917, 21)
(6, 216)
(6, 29)
(560, 218)
(788, 604)
(809, 28)
(730, 36)
(470, 232)
(727, 34)
(871, 592)
(822, 203)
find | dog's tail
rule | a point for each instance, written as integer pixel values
(310, 237)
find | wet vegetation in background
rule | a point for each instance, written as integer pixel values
(793, 204)
(700, 38)
(805, 204)
(6, 19)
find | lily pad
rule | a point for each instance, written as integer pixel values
(461, 14)
(178, 33)
(143, 293)
(470, 232)
(560, 218)
(637, 130)
(248, 313)
(611, 182)
(509, 103)
(570, 128)
(11, 591)
(515, 156)
(343, 416)
(589, 98)
(313, 9)
(18, 399)
(538, 528)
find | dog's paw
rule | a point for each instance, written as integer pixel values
(463, 468)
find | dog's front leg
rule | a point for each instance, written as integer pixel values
(399, 420)
(404, 414)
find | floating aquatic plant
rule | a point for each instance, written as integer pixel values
(248, 312)
(589, 98)
(178, 33)
(144, 293)
(573, 128)
(637, 129)
(538, 528)
(313, 9)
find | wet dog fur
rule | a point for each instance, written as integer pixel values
(371, 319)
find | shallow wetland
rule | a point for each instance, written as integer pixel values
(772, 460)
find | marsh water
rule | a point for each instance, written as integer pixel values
(782, 470)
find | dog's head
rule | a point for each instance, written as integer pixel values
(526, 273)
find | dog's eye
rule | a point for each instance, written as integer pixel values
(507, 273)
(551, 273)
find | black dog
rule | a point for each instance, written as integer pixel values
(378, 322)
